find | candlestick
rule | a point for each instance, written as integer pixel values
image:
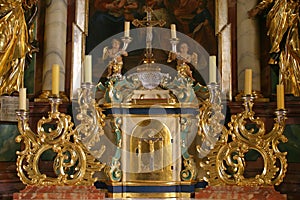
(126, 29)
(212, 69)
(55, 79)
(173, 31)
(280, 97)
(22, 99)
(248, 82)
(88, 69)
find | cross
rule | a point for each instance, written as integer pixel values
(148, 23)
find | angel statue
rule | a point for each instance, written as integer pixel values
(183, 61)
(16, 44)
(283, 31)
(114, 54)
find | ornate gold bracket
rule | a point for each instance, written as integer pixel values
(72, 164)
(225, 164)
(113, 170)
(189, 171)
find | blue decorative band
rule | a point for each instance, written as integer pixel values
(152, 111)
(151, 189)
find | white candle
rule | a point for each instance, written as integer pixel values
(280, 96)
(88, 69)
(248, 82)
(126, 29)
(212, 69)
(55, 79)
(22, 99)
(173, 31)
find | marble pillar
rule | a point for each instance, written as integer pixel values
(223, 31)
(248, 44)
(79, 33)
(55, 42)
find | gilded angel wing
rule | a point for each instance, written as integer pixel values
(105, 53)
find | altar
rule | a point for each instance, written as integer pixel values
(151, 131)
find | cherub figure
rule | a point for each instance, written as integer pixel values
(115, 54)
(185, 57)
(183, 60)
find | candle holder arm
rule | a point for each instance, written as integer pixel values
(210, 120)
(91, 120)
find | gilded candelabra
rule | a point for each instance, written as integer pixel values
(72, 164)
(226, 163)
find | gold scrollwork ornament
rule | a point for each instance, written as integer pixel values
(226, 163)
(72, 164)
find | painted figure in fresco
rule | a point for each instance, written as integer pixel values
(283, 30)
(183, 11)
(107, 20)
(16, 18)
(128, 8)
(195, 20)
(114, 54)
(132, 10)
(202, 28)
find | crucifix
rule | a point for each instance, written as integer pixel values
(151, 141)
(148, 23)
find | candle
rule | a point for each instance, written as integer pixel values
(126, 29)
(248, 82)
(280, 96)
(173, 31)
(55, 79)
(88, 69)
(212, 69)
(22, 99)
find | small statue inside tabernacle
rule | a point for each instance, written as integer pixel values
(16, 43)
(283, 29)
(114, 54)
